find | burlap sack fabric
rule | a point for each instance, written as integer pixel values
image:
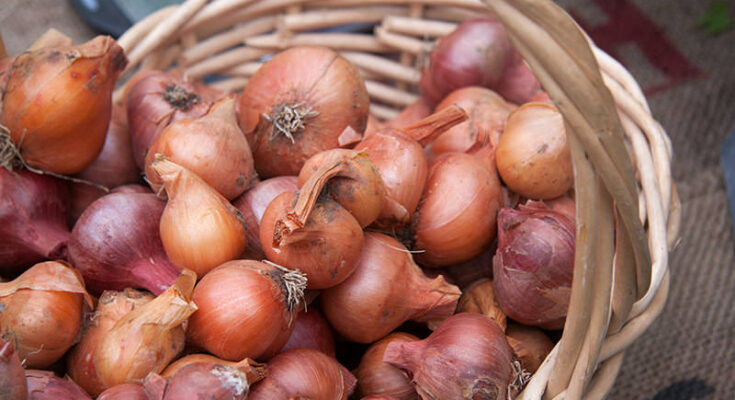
(689, 75)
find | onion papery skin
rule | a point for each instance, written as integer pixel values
(125, 391)
(533, 156)
(534, 264)
(211, 146)
(319, 84)
(243, 305)
(376, 377)
(252, 205)
(148, 338)
(304, 373)
(529, 344)
(311, 331)
(487, 114)
(116, 244)
(58, 100)
(44, 385)
(42, 312)
(386, 290)
(412, 114)
(12, 374)
(456, 219)
(158, 99)
(466, 273)
(207, 381)
(466, 357)
(111, 307)
(32, 219)
(359, 189)
(326, 248)
(113, 167)
(403, 168)
(199, 228)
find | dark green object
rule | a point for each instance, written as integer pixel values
(717, 19)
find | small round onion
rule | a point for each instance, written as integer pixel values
(44, 385)
(457, 215)
(299, 103)
(243, 305)
(207, 380)
(304, 373)
(467, 356)
(533, 155)
(534, 264)
(386, 290)
(376, 377)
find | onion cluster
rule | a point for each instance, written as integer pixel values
(369, 245)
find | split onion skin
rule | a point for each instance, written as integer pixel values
(534, 265)
(386, 290)
(487, 112)
(210, 146)
(324, 87)
(33, 211)
(533, 155)
(456, 219)
(304, 373)
(467, 356)
(115, 244)
(243, 305)
(111, 307)
(376, 377)
(12, 374)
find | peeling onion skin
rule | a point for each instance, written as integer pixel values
(466, 357)
(304, 373)
(534, 264)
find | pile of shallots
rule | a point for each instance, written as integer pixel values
(280, 242)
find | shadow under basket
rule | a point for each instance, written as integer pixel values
(628, 212)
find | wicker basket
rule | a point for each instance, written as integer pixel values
(627, 207)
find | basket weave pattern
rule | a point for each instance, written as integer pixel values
(628, 211)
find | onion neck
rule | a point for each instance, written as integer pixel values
(154, 274)
(178, 97)
(405, 355)
(308, 197)
(431, 127)
(289, 118)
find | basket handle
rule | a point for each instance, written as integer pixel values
(560, 55)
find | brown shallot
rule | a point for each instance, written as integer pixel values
(376, 377)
